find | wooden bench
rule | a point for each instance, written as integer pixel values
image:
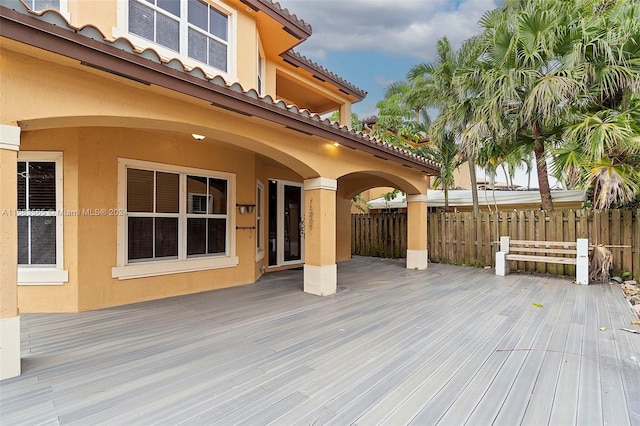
(545, 251)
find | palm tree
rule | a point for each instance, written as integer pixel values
(446, 154)
(436, 85)
(526, 87)
(605, 131)
(562, 73)
(399, 120)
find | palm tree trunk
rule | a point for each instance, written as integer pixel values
(446, 198)
(474, 184)
(541, 168)
(507, 177)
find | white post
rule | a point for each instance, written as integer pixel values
(582, 261)
(502, 264)
(9, 312)
(504, 244)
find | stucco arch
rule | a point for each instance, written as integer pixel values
(177, 130)
(354, 183)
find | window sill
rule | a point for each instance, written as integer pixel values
(42, 276)
(259, 256)
(151, 269)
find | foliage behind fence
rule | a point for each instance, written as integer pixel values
(471, 239)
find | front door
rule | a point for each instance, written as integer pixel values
(286, 240)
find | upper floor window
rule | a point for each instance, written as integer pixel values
(260, 72)
(40, 5)
(193, 28)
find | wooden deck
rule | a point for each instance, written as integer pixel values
(450, 345)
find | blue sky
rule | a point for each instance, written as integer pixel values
(372, 43)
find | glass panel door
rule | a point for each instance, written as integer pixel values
(292, 223)
(286, 240)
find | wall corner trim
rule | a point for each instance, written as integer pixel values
(419, 198)
(9, 137)
(321, 183)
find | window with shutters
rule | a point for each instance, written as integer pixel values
(177, 219)
(40, 218)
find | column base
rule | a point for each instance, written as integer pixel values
(417, 259)
(9, 347)
(320, 280)
(502, 264)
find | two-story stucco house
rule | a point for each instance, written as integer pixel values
(153, 148)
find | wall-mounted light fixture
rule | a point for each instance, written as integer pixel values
(336, 144)
(245, 208)
(197, 136)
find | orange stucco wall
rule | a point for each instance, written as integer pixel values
(90, 177)
(94, 118)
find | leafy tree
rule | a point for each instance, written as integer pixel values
(399, 120)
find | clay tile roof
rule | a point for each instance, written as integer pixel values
(298, 60)
(294, 25)
(292, 16)
(369, 120)
(51, 31)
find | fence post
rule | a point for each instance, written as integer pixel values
(582, 261)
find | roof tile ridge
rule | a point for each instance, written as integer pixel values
(278, 8)
(218, 80)
(316, 65)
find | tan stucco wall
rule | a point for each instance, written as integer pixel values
(93, 118)
(90, 162)
(101, 14)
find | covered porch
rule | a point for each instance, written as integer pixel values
(447, 345)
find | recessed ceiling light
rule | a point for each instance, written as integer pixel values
(336, 144)
(197, 136)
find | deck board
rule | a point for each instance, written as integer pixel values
(449, 345)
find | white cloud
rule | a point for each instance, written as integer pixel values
(406, 27)
(383, 81)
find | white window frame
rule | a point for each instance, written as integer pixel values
(260, 252)
(64, 8)
(127, 270)
(49, 275)
(122, 30)
(261, 71)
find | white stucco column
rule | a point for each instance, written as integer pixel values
(417, 256)
(9, 315)
(320, 269)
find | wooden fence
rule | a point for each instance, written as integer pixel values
(380, 234)
(472, 239)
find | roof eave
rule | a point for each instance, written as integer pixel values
(290, 23)
(40, 34)
(323, 74)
